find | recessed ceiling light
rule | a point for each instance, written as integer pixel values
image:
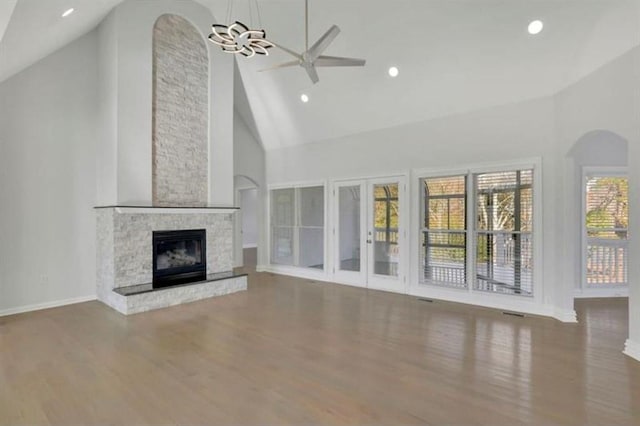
(393, 71)
(304, 98)
(535, 27)
(67, 12)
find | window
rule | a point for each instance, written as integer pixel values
(504, 242)
(606, 224)
(385, 240)
(349, 228)
(501, 261)
(311, 227)
(444, 233)
(297, 227)
(282, 226)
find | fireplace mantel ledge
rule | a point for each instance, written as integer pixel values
(171, 210)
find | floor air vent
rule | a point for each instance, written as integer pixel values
(513, 314)
(426, 300)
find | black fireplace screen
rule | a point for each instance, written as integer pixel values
(179, 257)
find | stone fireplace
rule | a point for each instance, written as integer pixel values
(165, 168)
(125, 249)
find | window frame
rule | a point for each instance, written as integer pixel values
(423, 229)
(534, 164)
(293, 269)
(477, 232)
(585, 288)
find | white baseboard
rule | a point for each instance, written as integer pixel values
(291, 271)
(247, 246)
(500, 302)
(569, 316)
(632, 349)
(46, 305)
(262, 268)
(591, 293)
(455, 296)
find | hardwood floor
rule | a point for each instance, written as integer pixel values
(290, 351)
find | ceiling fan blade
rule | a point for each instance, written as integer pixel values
(324, 42)
(313, 74)
(289, 51)
(306, 25)
(283, 65)
(336, 61)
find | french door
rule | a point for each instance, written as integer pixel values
(369, 240)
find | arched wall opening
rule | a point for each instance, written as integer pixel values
(601, 148)
(599, 188)
(246, 222)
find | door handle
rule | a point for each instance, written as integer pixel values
(368, 241)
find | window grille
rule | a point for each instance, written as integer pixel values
(282, 226)
(444, 231)
(297, 227)
(504, 225)
(386, 233)
(606, 225)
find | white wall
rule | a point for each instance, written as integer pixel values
(249, 161)
(506, 132)
(546, 128)
(107, 147)
(249, 217)
(601, 111)
(633, 344)
(6, 10)
(634, 163)
(49, 125)
(127, 35)
(248, 155)
(502, 134)
(75, 132)
(598, 148)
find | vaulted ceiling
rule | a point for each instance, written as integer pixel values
(37, 29)
(453, 55)
(6, 10)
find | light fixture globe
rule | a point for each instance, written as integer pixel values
(238, 38)
(535, 27)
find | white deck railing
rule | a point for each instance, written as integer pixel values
(606, 262)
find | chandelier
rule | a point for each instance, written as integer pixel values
(238, 38)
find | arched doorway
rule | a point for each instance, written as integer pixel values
(246, 222)
(599, 161)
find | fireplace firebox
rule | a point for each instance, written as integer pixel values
(179, 257)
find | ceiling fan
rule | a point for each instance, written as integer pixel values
(313, 57)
